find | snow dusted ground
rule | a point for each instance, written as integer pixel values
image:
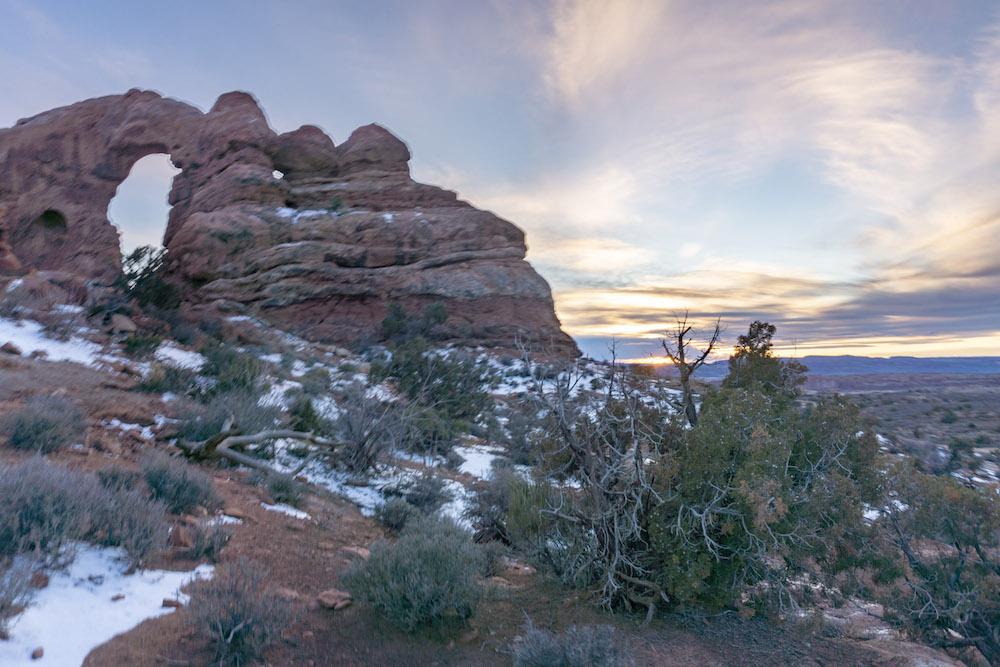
(172, 354)
(75, 613)
(478, 459)
(286, 509)
(30, 336)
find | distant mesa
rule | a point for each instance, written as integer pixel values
(315, 237)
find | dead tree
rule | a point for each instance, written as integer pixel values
(688, 359)
(606, 444)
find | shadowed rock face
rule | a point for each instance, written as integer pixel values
(321, 250)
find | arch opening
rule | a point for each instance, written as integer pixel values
(140, 208)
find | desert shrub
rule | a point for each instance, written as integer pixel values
(727, 512)
(579, 646)
(315, 381)
(177, 483)
(138, 346)
(430, 574)
(451, 392)
(238, 613)
(753, 365)
(775, 479)
(491, 556)
(510, 507)
(45, 424)
(520, 444)
(283, 488)
(163, 378)
(304, 415)
(130, 520)
(44, 506)
(453, 460)
(142, 279)
(367, 426)
(527, 498)
(425, 492)
(934, 555)
(241, 408)
(117, 478)
(949, 417)
(15, 593)
(398, 326)
(208, 541)
(232, 369)
(394, 513)
(490, 503)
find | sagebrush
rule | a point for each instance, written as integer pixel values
(238, 612)
(45, 424)
(429, 575)
(177, 483)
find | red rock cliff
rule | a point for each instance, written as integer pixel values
(321, 249)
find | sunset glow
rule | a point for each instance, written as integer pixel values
(841, 183)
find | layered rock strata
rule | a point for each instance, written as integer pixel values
(315, 237)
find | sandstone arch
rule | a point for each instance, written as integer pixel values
(323, 249)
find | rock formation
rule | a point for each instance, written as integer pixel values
(317, 238)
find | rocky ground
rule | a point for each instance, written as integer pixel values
(306, 553)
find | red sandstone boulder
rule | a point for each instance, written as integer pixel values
(373, 148)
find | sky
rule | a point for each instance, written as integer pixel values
(828, 166)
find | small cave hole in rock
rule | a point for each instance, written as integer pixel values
(291, 203)
(52, 220)
(139, 209)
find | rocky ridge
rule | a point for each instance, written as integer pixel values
(317, 238)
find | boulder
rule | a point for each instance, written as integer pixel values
(356, 552)
(122, 324)
(10, 348)
(334, 599)
(179, 538)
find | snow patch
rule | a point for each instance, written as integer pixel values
(30, 336)
(286, 509)
(170, 353)
(75, 613)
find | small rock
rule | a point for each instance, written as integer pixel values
(171, 603)
(38, 354)
(236, 513)
(122, 324)
(326, 546)
(356, 552)
(179, 538)
(10, 348)
(37, 653)
(199, 510)
(308, 634)
(334, 599)
(470, 636)
(116, 598)
(125, 369)
(288, 594)
(39, 580)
